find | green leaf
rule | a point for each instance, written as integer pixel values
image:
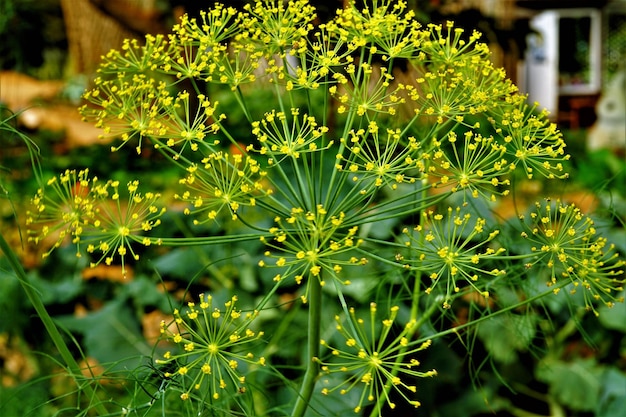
(59, 291)
(613, 398)
(147, 293)
(575, 384)
(179, 263)
(615, 317)
(504, 335)
(111, 335)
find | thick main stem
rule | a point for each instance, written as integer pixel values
(313, 348)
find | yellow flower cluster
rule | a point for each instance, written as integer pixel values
(64, 209)
(377, 160)
(374, 361)
(565, 240)
(219, 49)
(127, 108)
(367, 91)
(388, 26)
(308, 244)
(222, 180)
(456, 77)
(534, 143)
(450, 248)
(84, 210)
(476, 166)
(280, 137)
(217, 26)
(210, 340)
(278, 27)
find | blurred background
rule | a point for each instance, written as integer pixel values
(568, 55)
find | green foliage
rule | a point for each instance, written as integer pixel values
(614, 318)
(601, 169)
(576, 382)
(109, 333)
(504, 336)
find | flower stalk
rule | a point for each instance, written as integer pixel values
(311, 373)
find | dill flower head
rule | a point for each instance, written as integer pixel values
(63, 209)
(277, 26)
(456, 77)
(135, 56)
(533, 142)
(180, 128)
(387, 25)
(215, 26)
(475, 166)
(221, 48)
(375, 93)
(451, 249)
(564, 240)
(222, 181)
(375, 358)
(212, 343)
(94, 214)
(127, 107)
(280, 138)
(122, 221)
(378, 159)
(310, 244)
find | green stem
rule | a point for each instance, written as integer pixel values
(396, 207)
(52, 329)
(202, 240)
(242, 104)
(415, 312)
(313, 348)
(417, 283)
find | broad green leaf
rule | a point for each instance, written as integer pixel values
(472, 402)
(615, 317)
(613, 398)
(147, 293)
(575, 384)
(111, 335)
(507, 334)
(179, 263)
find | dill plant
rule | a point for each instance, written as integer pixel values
(379, 138)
